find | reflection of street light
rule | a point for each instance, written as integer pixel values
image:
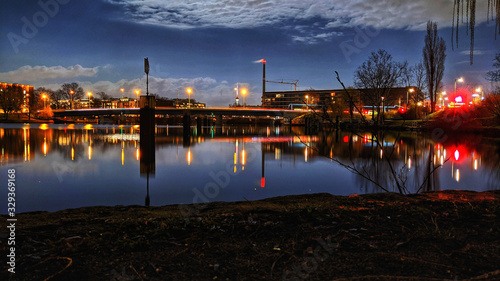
(189, 90)
(461, 80)
(244, 92)
(90, 95)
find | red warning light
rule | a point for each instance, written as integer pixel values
(402, 110)
(346, 138)
(457, 155)
(262, 182)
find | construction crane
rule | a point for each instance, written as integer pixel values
(294, 82)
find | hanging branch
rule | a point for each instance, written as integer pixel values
(472, 27)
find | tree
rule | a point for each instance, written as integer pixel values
(492, 102)
(67, 89)
(470, 12)
(434, 53)
(494, 75)
(378, 74)
(11, 99)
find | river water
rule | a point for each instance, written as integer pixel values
(69, 166)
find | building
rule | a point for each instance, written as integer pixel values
(396, 97)
(27, 92)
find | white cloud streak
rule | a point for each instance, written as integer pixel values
(205, 89)
(39, 73)
(391, 14)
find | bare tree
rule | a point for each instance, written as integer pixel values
(434, 53)
(378, 75)
(494, 75)
(11, 99)
(492, 102)
(71, 91)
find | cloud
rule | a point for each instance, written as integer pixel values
(476, 52)
(391, 14)
(316, 38)
(39, 73)
(205, 89)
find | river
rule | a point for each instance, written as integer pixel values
(69, 166)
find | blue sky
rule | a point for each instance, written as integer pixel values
(211, 44)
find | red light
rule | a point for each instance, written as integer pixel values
(346, 138)
(457, 155)
(365, 112)
(263, 61)
(459, 99)
(263, 182)
(402, 110)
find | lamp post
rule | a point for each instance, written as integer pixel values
(90, 96)
(44, 98)
(189, 90)
(71, 92)
(479, 90)
(137, 93)
(442, 98)
(244, 92)
(461, 80)
(410, 90)
(122, 90)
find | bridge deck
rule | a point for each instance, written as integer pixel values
(271, 112)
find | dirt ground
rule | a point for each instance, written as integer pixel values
(452, 235)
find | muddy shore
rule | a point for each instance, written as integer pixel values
(451, 235)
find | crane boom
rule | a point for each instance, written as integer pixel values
(283, 82)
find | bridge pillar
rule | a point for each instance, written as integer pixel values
(147, 135)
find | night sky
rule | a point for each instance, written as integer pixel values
(211, 45)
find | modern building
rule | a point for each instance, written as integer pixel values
(396, 97)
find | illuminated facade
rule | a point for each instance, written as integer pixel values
(27, 93)
(296, 99)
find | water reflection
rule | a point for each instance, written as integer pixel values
(290, 161)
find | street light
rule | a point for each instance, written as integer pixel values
(137, 93)
(479, 90)
(90, 95)
(461, 80)
(122, 90)
(407, 96)
(442, 99)
(71, 92)
(307, 99)
(244, 92)
(189, 90)
(44, 97)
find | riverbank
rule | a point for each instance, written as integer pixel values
(444, 235)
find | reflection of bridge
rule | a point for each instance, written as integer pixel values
(216, 111)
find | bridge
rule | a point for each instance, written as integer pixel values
(216, 111)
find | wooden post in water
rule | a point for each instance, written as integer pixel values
(147, 134)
